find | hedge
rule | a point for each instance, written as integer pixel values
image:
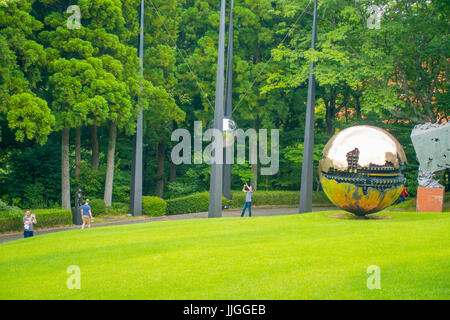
(198, 202)
(261, 198)
(46, 218)
(153, 206)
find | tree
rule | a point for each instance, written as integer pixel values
(160, 57)
(396, 69)
(21, 63)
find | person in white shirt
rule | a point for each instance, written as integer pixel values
(28, 224)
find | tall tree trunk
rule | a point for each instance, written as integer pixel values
(254, 151)
(330, 119)
(346, 114)
(331, 113)
(110, 164)
(345, 102)
(77, 153)
(254, 181)
(173, 172)
(160, 170)
(95, 150)
(65, 169)
(358, 107)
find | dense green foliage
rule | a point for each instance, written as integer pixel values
(46, 218)
(98, 207)
(7, 209)
(10, 217)
(153, 206)
(307, 256)
(69, 97)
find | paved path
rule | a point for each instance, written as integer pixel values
(231, 213)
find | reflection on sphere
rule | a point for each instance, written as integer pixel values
(361, 169)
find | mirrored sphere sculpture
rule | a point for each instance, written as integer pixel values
(229, 131)
(360, 171)
(229, 128)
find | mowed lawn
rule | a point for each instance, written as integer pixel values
(309, 256)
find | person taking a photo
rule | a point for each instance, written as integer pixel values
(248, 200)
(28, 224)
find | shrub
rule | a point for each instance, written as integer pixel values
(52, 217)
(3, 206)
(16, 201)
(260, 198)
(10, 218)
(5, 198)
(6, 210)
(198, 202)
(45, 218)
(98, 207)
(320, 199)
(291, 198)
(153, 206)
(117, 208)
(10, 223)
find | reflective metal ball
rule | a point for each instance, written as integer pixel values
(361, 169)
(229, 131)
(229, 128)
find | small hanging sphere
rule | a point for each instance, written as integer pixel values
(229, 131)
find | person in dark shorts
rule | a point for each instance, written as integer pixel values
(86, 214)
(248, 200)
(28, 224)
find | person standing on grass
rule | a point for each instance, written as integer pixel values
(28, 224)
(86, 214)
(403, 194)
(248, 200)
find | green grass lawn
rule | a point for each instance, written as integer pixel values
(309, 256)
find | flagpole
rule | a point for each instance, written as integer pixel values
(228, 108)
(215, 189)
(308, 147)
(136, 167)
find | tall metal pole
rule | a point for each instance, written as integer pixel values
(228, 107)
(215, 188)
(308, 150)
(136, 174)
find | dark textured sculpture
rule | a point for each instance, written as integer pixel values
(78, 199)
(361, 169)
